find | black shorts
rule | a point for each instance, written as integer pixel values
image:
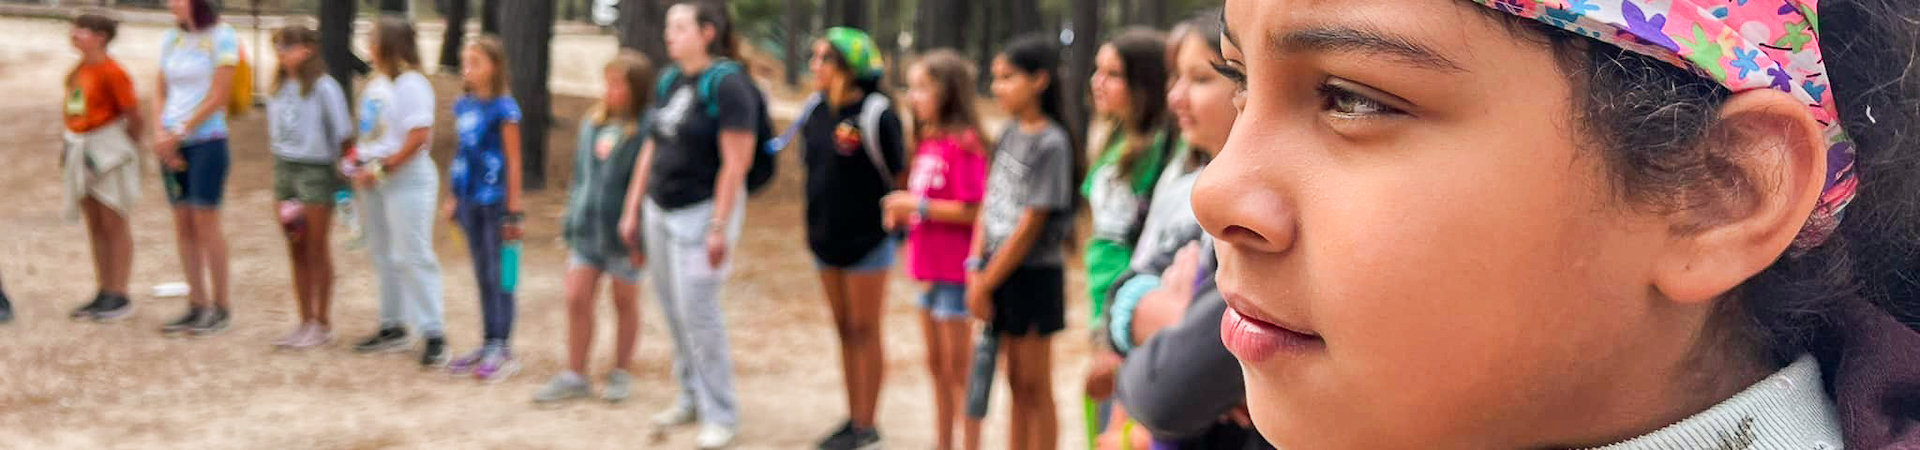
(1033, 301)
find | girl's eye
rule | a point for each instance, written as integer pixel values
(1237, 77)
(1345, 102)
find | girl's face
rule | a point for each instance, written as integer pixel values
(182, 10)
(291, 56)
(826, 75)
(1016, 90)
(686, 38)
(1109, 84)
(618, 96)
(476, 69)
(1417, 254)
(1201, 99)
(924, 94)
(86, 40)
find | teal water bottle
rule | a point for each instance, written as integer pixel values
(510, 265)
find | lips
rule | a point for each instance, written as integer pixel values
(1253, 339)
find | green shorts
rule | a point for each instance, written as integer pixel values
(307, 182)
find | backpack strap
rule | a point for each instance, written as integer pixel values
(712, 76)
(667, 77)
(786, 136)
(870, 111)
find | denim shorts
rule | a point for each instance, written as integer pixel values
(880, 258)
(945, 301)
(204, 181)
(620, 268)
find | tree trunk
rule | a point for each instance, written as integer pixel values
(490, 17)
(529, 39)
(336, 43)
(1086, 41)
(393, 6)
(853, 13)
(641, 27)
(456, 35)
(941, 24)
(1023, 17)
(796, 30)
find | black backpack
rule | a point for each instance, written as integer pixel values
(766, 153)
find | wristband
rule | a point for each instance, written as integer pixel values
(976, 264)
(924, 206)
(516, 217)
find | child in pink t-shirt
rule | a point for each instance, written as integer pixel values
(947, 181)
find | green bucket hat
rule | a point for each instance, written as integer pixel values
(858, 50)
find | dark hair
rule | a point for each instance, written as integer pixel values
(204, 15)
(1653, 122)
(309, 71)
(1037, 55)
(395, 50)
(954, 74)
(1143, 55)
(1207, 26)
(708, 13)
(97, 23)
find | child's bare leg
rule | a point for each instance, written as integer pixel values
(191, 263)
(319, 263)
(943, 398)
(581, 286)
(626, 305)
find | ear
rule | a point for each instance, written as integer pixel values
(1739, 227)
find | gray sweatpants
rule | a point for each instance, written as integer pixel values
(399, 216)
(688, 289)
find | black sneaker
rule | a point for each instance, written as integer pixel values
(864, 439)
(6, 309)
(435, 354)
(388, 339)
(839, 439)
(185, 322)
(211, 323)
(90, 310)
(112, 308)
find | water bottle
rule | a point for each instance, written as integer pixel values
(980, 379)
(510, 265)
(344, 201)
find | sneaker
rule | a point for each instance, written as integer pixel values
(864, 439)
(465, 363)
(387, 340)
(211, 323)
(6, 309)
(563, 387)
(86, 312)
(619, 386)
(713, 437)
(838, 439)
(497, 366)
(185, 322)
(112, 308)
(435, 354)
(681, 413)
(298, 335)
(316, 336)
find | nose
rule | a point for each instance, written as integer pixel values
(1243, 198)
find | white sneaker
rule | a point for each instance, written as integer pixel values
(681, 413)
(713, 437)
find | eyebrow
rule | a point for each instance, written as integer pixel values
(1400, 48)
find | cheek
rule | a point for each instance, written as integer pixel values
(1474, 272)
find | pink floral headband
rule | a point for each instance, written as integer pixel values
(1745, 45)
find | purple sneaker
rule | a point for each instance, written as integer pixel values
(496, 366)
(465, 364)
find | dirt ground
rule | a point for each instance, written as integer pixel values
(81, 385)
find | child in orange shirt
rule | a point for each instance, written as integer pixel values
(101, 162)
